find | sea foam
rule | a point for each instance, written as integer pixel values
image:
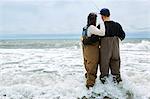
(58, 72)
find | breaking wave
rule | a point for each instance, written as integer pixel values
(143, 45)
(44, 44)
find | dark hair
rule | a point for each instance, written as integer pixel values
(91, 19)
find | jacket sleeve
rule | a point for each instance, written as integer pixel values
(94, 30)
(121, 34)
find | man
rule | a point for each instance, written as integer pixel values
(110, 52)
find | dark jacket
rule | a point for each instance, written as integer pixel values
(113, 29)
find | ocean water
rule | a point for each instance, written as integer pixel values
(53, 69)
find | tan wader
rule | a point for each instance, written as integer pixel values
(91, 60)
(110, 56)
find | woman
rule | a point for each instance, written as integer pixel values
(91, 49)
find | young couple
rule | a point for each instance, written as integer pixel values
(101, 47)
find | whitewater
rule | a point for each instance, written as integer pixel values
(53, 69)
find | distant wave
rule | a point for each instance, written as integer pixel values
(43, 44)
(37, 44)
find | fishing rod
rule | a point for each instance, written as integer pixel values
(95, 5)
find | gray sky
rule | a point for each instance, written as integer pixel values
(69, 16)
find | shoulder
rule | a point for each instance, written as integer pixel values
(85, 27)
(92, 27)
(117, 23)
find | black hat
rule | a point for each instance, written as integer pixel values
(105, 12)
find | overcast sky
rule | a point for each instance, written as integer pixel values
(69, 16)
